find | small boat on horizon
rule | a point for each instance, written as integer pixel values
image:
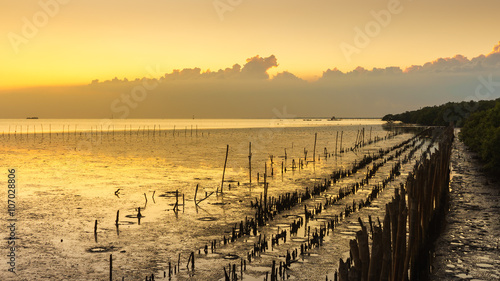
(34, 117)
(334, 119)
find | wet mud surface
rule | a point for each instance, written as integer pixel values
(66, 189)
(67, 182)
(468, 248)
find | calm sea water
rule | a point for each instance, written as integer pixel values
(73, 172)
(70, 125)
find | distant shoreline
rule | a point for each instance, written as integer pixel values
(178, 118)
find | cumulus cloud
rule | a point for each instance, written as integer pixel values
(460, 63)
(359, 71)
(256, 67)
(441, 65)
(455, 64)
(247, 91)
(332, 73)
(496, 48)
(286, 76)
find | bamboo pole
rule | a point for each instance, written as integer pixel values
(111, 267)
(341, 135)
(364, 252)
(265, 186)
(176, 206)
(224, 171)
(376, 259)
(250, 162)
(95, 231)
(356, 141)
(195, 193)
(314, 151)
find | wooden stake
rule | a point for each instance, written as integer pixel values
(314, 152)
(195, 193)
(336, 140)
(265, 186)
(176, 206)
(95, 231)
(111, 267)
(192, 260)
(341, 135)
(250, 162)
(224, 171)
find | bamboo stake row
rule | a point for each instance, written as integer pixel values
(316, 238)
(405, 259)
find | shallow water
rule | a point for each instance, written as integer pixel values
(67, 181)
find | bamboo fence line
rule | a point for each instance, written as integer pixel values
(420, 204)
(273, 206)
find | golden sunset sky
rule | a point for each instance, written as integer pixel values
(244, 58)
(72, 42)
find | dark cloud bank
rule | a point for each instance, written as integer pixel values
(249, 92)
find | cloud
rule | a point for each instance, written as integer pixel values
(459, 63)
(256, 67)
(286, 76)
(248, 92)
(332, 74)
(455, 64)
(496, 48)
(359, 71)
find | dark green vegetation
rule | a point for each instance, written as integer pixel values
(481, 133)
(480, 122)
(442, 115)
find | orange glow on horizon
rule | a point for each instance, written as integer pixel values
(83, 41)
